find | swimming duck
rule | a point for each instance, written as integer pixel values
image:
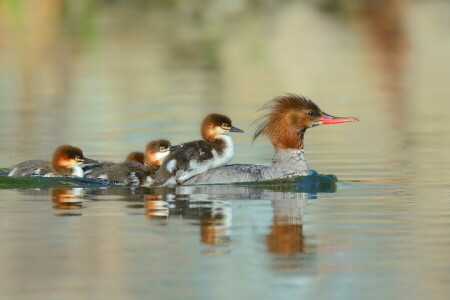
(287, 119)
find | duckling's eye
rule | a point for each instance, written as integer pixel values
(310, 113)
(225, 125)
(162, 148)
(77, 157)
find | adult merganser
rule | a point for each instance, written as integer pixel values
(215, 150)
(133, 172)
(285, 124)
(135, 157)
(66, 161)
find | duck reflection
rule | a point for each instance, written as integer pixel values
(67, 199)
(156, 207)
(286, 232)
(211, 206)
(215, 224)
(213, 216)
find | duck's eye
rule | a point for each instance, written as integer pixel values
(310, 113)
(162, 148)
(77, 157)
(225, 125)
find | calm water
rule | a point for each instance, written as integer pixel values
(110, 77)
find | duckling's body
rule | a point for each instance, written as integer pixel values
(126, 173)
(133, 172)
(35, 167)
(66, 161)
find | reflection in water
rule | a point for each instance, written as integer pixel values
(66, 199)
(214, 216)
(215, 224)
(206, 204)
(197, 220)
(155, 207)
(286, 235)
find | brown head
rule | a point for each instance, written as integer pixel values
(136, 156)
(156, 151)
(66, 156)
(214, 125)
(288, 118)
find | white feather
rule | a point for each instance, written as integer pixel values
(171, 165)
(148, 181)
(161, 156)
(103, 176)
(77, 171)
(195, 167)
(13, 171)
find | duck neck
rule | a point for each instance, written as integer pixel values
(283, 156)
(289, 162)
(289, 139)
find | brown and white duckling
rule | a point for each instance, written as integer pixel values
(66, 161)
(134, 172)
(196, 157)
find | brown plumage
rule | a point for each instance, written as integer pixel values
(134, 172)
(212, 124)
(154, 149)
(287, 120)
(135, 156)
(64, 158)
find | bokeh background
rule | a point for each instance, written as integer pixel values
(109, 75)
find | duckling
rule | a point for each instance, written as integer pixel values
(193, 158)
(133, 172)
(66, 161)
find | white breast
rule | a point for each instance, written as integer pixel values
(227, 153)
(196, 167)
(77, 171)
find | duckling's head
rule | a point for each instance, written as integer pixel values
(136, 156)
(215, 124)
(66, 156)
(157, 151)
